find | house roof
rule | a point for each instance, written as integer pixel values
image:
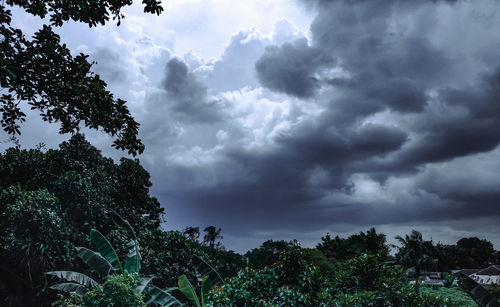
(466, 272)
(491, 270)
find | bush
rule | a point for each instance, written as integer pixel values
(290, 281)
(118, 290)
(448, 280)
(452, 296)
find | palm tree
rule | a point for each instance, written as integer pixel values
(192, 233)
(211, 235)
(413, 254)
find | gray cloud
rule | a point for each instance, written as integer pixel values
(394, 96)
(186, 96)
(291, 68)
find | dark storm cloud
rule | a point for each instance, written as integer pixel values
(401, 95)
(382, 102)
(291, 68)
(290, 178)
(472, 130)
(186, 96)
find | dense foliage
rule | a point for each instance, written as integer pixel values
(290, 281)
(51, 200)
(343, 249)
(293, 280)
(118, 290)
(455, 296)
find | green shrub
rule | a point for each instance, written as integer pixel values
(448, 280)
(118, 290)
(357, 299)
(290, 281)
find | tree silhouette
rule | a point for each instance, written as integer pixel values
(192, 233)
(212, 234)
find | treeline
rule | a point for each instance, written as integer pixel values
(50, 200)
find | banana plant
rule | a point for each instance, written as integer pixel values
(208, 276)
(105, 262)
(482, 297)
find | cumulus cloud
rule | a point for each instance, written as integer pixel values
(291, 68)
(186, 96)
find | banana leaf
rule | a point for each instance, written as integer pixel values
(204, 269)
(69, 287)
(482, 297)
(162, 297)
(122, 223)
(133, 261)
(206, 286)
(105, 249)
(188, 290)
(142, 284)
(80, 278)
(95, 261)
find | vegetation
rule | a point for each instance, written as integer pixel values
(72, 191)
(453, 295)
(414, 254)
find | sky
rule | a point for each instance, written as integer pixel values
(288, 119)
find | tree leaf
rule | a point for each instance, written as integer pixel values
(162, 297)
(80, 278)
(105, 249)
(93, 259)
(69, 287)
(188, 290)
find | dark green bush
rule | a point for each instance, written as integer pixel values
(290, 281)
(118, 290)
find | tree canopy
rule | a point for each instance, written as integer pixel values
(43, 74)
(49, 202)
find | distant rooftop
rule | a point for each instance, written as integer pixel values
(466, 271)
(491, 270)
